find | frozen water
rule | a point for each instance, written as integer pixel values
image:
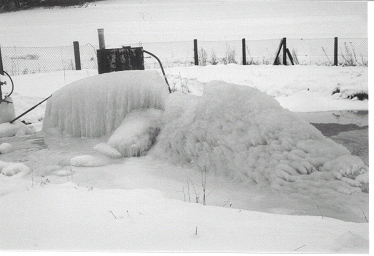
(6, 148)
(7, 112)
(105, 149)
(137, 132)
(87, 161)
(11, 169)
(15, 129)
(242, 133)
(96, 106)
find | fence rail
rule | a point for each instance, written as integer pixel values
(320, 51)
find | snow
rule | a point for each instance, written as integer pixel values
(82, 190)
(97, 105)
(297, 88)
(132, 21)
(57, 217)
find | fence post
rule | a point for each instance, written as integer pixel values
(77, 56)
(196, 52)
(101, 38)
(284, 51)
(1, 64)
(244, 52)
(335, 51)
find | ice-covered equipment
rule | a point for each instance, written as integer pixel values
(7, 112)
(240, 132)
(97, 105)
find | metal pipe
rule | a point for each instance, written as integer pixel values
(162, 68)
(27, 111)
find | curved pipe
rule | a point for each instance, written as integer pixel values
(162, 68)
(7, 95)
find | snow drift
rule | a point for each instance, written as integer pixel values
(97, 105)
(240, 132)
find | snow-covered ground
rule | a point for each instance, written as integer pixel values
(62, 192)
(59, 192)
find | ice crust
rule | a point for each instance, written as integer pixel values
(96, 106)
(240, 132)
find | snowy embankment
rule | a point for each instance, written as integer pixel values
(61, 217)
(228, 130)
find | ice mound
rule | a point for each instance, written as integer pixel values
(6, 148)
(15, 129)
(87, 161)
(105, 149)
(97, 105)
(137, 133)
(240, 132)
(11, 169)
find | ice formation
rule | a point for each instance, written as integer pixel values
(6, 148)
(105, 149)
(137, 132)
(7, 112)
(97, 105)
(11, 169)
(15, 129)
(240, 132)
(87, 161)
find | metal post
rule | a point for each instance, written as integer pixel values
(1, 64)
(77, 56)
(1, 73)
(284, 51)
(196, 52)
(335, 51)
(101, 38)
(244, 52)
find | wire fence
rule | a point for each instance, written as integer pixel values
(351, 52)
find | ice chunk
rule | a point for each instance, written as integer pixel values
(15, 129)
(97, 105)
(106, 149)
(11, 169)
(348, 166)
(6, 148)
(240, 132)
(87, 161)
(137, 132)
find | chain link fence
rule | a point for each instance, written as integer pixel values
(351, 52)
(30, 60)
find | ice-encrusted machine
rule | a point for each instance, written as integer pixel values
(109, 60)
(120, 59)
(7, 112)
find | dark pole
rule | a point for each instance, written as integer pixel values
(77, 56)
(101, 38)
(284, 51)
(1, 64)
(244, 52)
(196, 53)
(335, 51)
